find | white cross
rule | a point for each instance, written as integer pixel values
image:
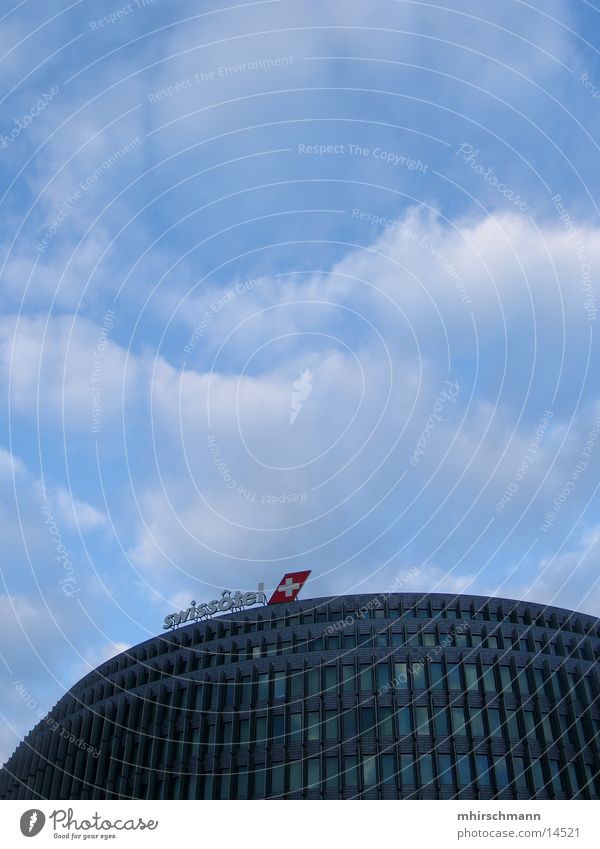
(288, 587)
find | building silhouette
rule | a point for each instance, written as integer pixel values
(362, 696)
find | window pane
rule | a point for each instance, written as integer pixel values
(440, 723)
(366, 676)
(435, 672)
(458, 720)
(314, 772)
(385, 722)
(332, 778)
(369, 771)
(426, 770)
(350, 771)
(418, 676)
(400, 676)
(422, 719)
(313, 725)
(445, 770)
(407, 771)
(482, 767)
(477, 723)
(403, 720)
(388, 769)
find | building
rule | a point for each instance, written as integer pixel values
(391, 696)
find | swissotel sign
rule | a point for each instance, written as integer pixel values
(287, 590)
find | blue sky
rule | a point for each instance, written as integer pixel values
(382, 213)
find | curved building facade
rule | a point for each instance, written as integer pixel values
(393, 696)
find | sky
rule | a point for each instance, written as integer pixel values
(290, 286)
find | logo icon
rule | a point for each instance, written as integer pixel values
(289, 587)
(301, 389)
(32, 822)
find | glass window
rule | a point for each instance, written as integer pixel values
(313, 731)
(538, 775)
(425, 769)
(494, 721)
(349, 724)
(279, 685)
(369, 765)
(418, 676)
(277, 780)
(523, 682)
(454, 677)
(529, 723)
(331, 679)
(505, 679)
(261, 729)
(313, 685)
(388, 769)
(381, 640)
(519, 770)
(422, 719)
(244, 731)
(403, 721)
(295, 776)
(464, 770)
(489, 685)
(483, 770)
(296, 684)
(556, 774)
(383, 677)
(348, 684)
(349, 641)
(367, 721)
(471, 676)
(511, 724)
(385, 722)
(435, 673)
(295, 727)
(445, 770)
(407, 770)
(313, 772)
(400, 676)
(263, 687)
(477, 723)
(278, 728)
(332, 778)
(428, 639)
(458, 720)
(440, 723)
(350, 771)
(366, 676)
(501, 772)
(331, 725)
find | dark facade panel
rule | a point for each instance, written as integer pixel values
(372, 696)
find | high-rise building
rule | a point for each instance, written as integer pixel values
(371, 696)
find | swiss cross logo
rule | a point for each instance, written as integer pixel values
(289, 587)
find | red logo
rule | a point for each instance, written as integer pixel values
(289, 587)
